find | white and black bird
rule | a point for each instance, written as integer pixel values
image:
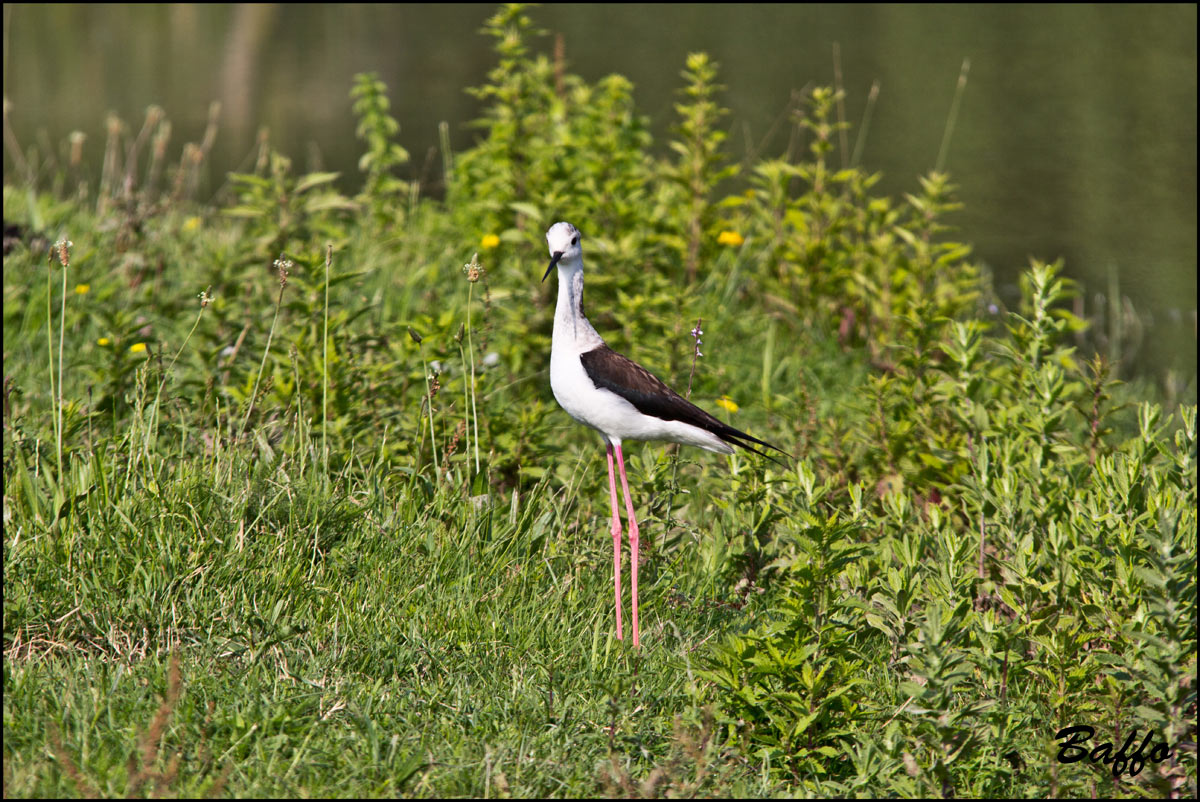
(619, 398)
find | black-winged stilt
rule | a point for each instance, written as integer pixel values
(619, 398)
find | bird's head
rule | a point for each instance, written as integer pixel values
(565, 244)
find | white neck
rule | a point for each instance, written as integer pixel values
(571, 328)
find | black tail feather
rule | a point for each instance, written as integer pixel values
(735, 437)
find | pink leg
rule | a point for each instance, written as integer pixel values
(616, 533)
(633, 541)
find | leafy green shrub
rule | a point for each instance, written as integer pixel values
(1017, 573)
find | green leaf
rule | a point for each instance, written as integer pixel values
(314, 180)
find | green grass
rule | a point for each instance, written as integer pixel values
(419, 645)
(331, 535)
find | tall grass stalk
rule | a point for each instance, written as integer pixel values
(428, 402)
(473, 273)
(62, 249)
(768, 358)
(303, 433)
(283, 266)
(447, 154)
(840, 93)
(673, 486)
(467, 388)
(50, 350)
(864, 127)
(952, 118)
(64, 258)
(325, 367)
(429, 410)
(152, 424)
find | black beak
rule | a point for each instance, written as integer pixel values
(553, 261)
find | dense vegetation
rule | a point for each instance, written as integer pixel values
(290, 510)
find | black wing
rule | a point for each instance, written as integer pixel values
(651, 396)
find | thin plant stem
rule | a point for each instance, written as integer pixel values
(466, 388)
(62, 327)
(952, 118)
(62, 249)
(474, 272)
(429, 406)
(471, 354)
(428, 400)
(674, 485)
(50, 351)
(325, 367)
(284, 266)
(839, 93)
(860, 141)
(447, 153)
(696, 332)
(152, 426)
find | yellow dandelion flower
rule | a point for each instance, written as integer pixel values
(726, 403)
(730, 238)
(103, 342)
(191, 224)
(83, 289)
(137, 348)
(489, 241)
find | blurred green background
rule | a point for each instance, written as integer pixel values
(1076, 137)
